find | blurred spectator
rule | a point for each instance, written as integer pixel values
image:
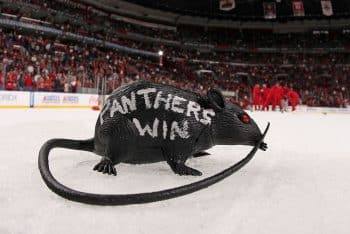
(28, 82)
(1, 81)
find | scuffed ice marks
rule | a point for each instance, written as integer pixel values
(158, 128)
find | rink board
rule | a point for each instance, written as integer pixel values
(14, 99)
(17, 99)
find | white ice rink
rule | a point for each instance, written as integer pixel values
(301, 184)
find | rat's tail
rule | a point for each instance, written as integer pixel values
(126, 199)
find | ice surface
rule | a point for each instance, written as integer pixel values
(300, 185)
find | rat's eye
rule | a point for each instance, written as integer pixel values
(244, 118)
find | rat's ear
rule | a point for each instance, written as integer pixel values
(216, 100)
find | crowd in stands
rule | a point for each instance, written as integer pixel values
(42, 64)
(84, 20)
(89, 21)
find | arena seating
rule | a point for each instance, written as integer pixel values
(46, 63)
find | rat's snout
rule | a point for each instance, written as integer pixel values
(250, 133)
(253, 136)
(250, 130)
(233, 126)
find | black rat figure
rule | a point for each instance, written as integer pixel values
(145, 122)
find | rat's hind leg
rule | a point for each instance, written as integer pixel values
(106, 165)
(177, 164)
(118, 137)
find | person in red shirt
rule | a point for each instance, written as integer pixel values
(28, 83)
(11, 81)
(40, 84)
(48, 85)
(277, 95)
(51, 76)
(285, 90)
(274, 97)
(293, 98)
(257, 97)
(13, 76)
(265, 92)
(10, 85)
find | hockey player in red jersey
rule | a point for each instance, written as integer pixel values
(293, 98)
(265, 91)
(257, 97)
(274, 97)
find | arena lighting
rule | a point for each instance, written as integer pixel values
(160, 53)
